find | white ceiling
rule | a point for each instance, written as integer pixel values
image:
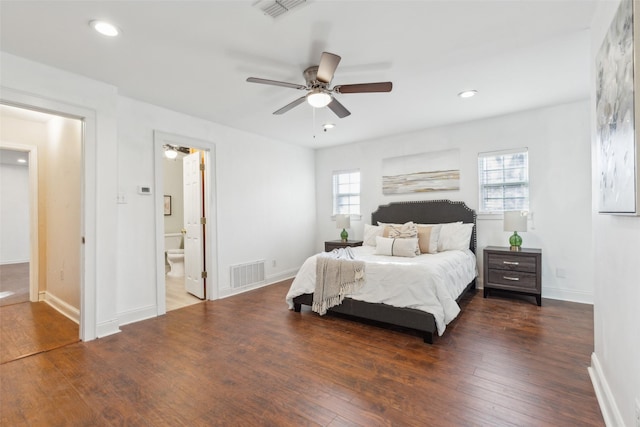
(194, 57)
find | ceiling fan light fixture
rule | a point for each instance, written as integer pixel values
(318, 98)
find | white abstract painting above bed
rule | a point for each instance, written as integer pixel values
(428, 282)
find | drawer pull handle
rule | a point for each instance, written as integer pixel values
(510, 262)
(515, 279)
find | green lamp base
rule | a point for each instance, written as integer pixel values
(344, 235)
(515, 241)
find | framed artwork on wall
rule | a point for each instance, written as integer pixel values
(167, 205)
(420, 173)
(616, 115)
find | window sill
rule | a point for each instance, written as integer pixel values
(490, 216)
(353, 217)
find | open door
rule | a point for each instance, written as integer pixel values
(194, 220)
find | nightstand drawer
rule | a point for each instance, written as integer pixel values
(513, 279)
(512, 262)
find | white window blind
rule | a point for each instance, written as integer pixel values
(504, 180)
(346, 192)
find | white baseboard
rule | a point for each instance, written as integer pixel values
(137, 315)
(66, 309)
(567, 295)
(608, 407)
(225, 293)
(107, 328)
(13, 261)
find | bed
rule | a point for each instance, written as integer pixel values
(417, 317)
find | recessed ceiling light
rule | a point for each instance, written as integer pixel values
(22, 161)
(467, 93)
(105, 28)
(328, 126)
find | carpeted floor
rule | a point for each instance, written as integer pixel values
(14, 283)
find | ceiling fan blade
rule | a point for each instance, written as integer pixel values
(290, 105)
(338, 108)
(365, 87)
(328, 64)
(275, 83)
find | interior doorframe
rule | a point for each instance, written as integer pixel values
(88, 198)
(34, 252)
(211, 253)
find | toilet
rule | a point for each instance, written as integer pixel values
(175, 255)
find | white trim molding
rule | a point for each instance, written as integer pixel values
(63, 307)
(610, 412)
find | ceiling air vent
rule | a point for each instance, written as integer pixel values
(277, 8)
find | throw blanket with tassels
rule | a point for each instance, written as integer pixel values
(337, 274)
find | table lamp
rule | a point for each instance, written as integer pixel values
(344, 222)
(515, 221)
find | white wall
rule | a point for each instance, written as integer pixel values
(14, 214)
(62, 193)
(264, 199)
(265, 192)
(30, 83)
(616, 359)
(559, 171)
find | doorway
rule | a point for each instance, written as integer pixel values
(185, 221)
(46, 238)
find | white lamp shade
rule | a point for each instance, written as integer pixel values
(343, 221)
(515, 221)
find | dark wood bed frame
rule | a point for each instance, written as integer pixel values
(421, 212)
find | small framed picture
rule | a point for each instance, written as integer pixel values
(167, 205)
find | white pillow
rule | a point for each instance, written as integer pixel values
(455, 236)
(370, 233)
(396, 247)
(428, 236)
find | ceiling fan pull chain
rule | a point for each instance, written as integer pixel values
(314, 123)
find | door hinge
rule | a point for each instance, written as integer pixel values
(203, 221)
(201, 166)
(204, 274)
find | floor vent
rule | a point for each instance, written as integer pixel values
(277, 8)
(251, 273)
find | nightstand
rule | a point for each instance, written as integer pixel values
(334, 244)
(514, 271)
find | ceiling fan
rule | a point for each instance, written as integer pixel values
(319, 93)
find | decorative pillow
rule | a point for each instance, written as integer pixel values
(407, 230)
(370, 233)
(405, 247)
(385, 228)
(454, 236)
(403, 231)
(428, 236)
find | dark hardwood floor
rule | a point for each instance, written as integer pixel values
(247, 360)
(30, 328)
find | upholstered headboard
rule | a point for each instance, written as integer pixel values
(427, 212)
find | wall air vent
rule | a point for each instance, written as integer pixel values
(277, 8)
(251, 273)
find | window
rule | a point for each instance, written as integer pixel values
(346, 192)
(504, 180)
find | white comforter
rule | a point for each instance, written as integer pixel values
(427, 282)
